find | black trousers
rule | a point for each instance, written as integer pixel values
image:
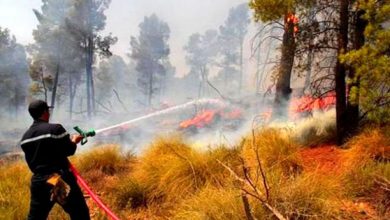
(40, 204)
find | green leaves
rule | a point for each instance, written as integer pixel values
(371, 63)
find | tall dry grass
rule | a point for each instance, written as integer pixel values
(14, 191)
(211, 203)
(170, 169)
(274, 148)
(368, 169)
(171, 180)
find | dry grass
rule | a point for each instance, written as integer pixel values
(212, 203)
(367, 165)
(14, 191)
(307, 196)
(171, 180)
(107, 159)
(172, 170)
(312, 131)
(276, 150)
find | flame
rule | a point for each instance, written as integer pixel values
(207, 117)
(291, 18)
(235, 114)
(309, 104)
(202, 119)
(304, 104)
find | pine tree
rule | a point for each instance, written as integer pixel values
(150, 50)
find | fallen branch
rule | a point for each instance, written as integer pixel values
(256, 194)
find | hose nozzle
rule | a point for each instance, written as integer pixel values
(85, 134)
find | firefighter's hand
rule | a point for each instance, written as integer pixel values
(76, 138)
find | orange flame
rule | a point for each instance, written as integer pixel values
(291, 18)
(207, 117)
(309, 104)
(202, 119)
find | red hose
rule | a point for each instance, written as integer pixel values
(94, 197)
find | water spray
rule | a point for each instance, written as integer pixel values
(93, 132)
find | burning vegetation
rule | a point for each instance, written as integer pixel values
(285, 116)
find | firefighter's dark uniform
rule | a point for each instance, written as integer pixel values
(46, 147)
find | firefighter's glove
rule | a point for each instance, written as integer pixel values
(60, 190)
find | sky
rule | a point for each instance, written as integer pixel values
(184, 18)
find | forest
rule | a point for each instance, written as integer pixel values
(281, 111)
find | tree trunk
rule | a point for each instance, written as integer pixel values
(88, 67)
(283, 89)
(340, 70)
(353, 107)
(241, 64)
(55, 85)
(72, 94)
(150, 90)
(93, 91)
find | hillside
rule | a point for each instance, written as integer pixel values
(269, 172)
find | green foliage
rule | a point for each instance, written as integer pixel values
(371, 63)
(201, 54)
(54, 50)
(113, 73)
(272, 10)
(231, 40)
(150, 51)
(13, 72)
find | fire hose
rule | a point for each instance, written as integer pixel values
(94, 197)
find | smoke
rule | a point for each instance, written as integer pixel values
(118, 97)
(318, 128)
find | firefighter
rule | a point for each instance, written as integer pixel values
(46, 147)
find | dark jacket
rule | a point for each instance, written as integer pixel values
(46, 147)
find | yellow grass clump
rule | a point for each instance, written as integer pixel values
(274, 148)
(307, 196)
(370, 145)
(212, 203)
(368, 169)
(14, 191)
(170, 169)
(107, 159)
